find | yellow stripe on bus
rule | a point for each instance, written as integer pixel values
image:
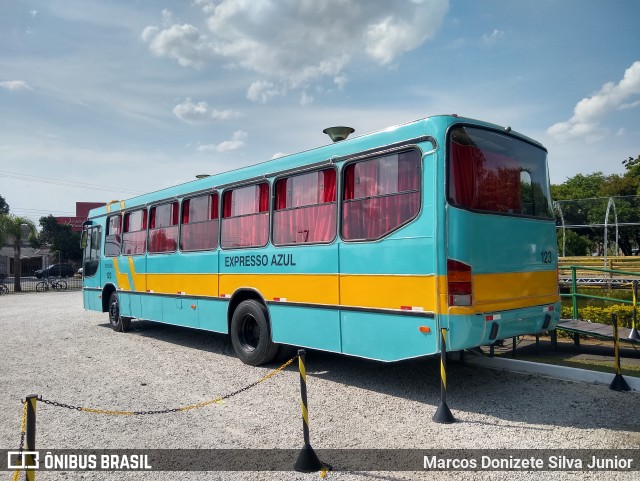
(190, 284)
(502, 292)
(388, 291)
(132, 272)
(309, 288)
(123, 279)
(491, 292)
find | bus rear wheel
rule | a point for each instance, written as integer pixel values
(118, 323)
(250, 335)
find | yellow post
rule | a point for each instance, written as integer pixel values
(30, 474)
(307, 461)
(443, 414)
(618, 383)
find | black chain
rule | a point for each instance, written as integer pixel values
(59, 405)
(160, 411)
(20, 449)
(23, 431)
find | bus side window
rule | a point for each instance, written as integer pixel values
(113, 236)
(199, 225)
(245, 217)
(305, 208)
(134, 236)
(380, 195)
(163, 228)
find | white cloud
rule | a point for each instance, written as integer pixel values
(294, 42)
(167, 17)
(191, 112)
(404, 29)
(236, 142)
(225, 114)
(33, 13)
(206, 147)
(15, 85)
(493, 37)
(632, 105)
(585, 122)
(341, 82)
(183, 43)
(262, 91)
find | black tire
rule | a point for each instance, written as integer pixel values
(42, 286)
(61, 285)
(250, 334)
(4, 289)
(118, 323)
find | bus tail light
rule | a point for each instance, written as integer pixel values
(459, 284)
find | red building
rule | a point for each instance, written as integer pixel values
(82, 212)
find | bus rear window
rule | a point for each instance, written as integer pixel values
(493, 172)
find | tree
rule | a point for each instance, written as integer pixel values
(575, 244)
(633, 166)
(16, 230)
(4, 207)
(591, 195)
(65, 243)
(581, 212)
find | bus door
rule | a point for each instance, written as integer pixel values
(91, 247)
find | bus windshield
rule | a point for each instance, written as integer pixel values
(498, 173)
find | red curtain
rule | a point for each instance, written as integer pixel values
(134, 242)
(163, 239)
(305, 208)
(484, 180)
(245, 220)
(381, 194)
(464, 163)
(199, 230)
(134, 238)
(163, 228)
(199, 236)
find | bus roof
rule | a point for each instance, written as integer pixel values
(421, 130)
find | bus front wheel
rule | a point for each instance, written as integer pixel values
(118, 323)
(250, 334)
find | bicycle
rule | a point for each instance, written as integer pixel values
(4, 289)
(56, 284)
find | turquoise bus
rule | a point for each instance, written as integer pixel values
(367, 246)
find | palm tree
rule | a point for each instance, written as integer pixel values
(16, 229)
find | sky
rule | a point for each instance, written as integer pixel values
(104, 99)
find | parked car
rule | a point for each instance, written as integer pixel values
(55, 270)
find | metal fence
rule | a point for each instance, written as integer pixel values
(34, 284)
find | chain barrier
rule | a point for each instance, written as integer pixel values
(218, 400)
(23, 431)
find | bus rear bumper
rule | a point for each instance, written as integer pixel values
(469, 331)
